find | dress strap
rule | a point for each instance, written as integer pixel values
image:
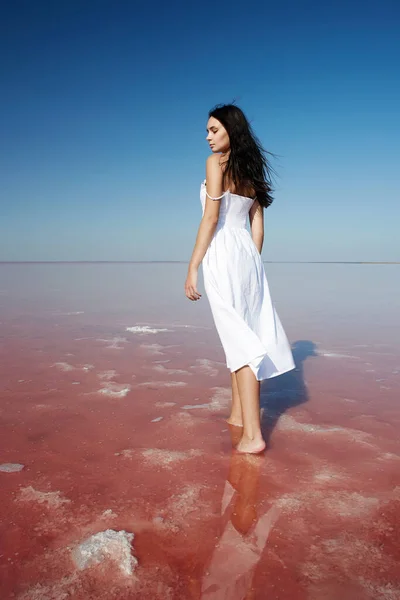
(212, 198)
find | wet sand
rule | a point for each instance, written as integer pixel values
(114, 401)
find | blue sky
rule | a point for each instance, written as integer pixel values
(104, 108)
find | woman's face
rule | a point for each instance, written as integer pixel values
(217, 136)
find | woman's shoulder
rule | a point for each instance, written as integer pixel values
(213, 158)
(213, 165)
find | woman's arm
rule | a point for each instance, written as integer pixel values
(214, 179)
(256, 215)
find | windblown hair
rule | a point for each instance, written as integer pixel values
(247, 165)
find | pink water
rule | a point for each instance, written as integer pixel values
(124, 430)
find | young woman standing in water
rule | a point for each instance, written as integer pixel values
(237, 187)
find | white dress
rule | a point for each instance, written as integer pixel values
(236, 285)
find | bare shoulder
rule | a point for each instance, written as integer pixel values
(213, 166)
(213, 159)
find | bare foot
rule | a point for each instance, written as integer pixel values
(235, 422)
(247, 446)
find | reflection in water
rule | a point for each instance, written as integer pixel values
(245, 532)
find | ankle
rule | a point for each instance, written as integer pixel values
(252, 437)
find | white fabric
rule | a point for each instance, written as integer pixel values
(236, 285)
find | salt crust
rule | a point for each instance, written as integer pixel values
(350, 557)
(191, 406)
(55, 591)
(107, 375)
(335, 354)
(106, 545)
(205, 367)
(219, 401)
(162, 384)
(161, 369)
(154, 349)
(335, 503)
(159, 457)
(186, 505)
(11, 467)
(64, 366)
(287, 422)
(220, 398)
(114, 390)
(52, 499)
(168, 458)
(115, 341)
(185, 419)
(145, 329)
(108, 514)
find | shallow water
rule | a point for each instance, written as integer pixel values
(113, 396)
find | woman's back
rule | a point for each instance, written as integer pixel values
(234, 208)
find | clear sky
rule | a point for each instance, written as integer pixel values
(104, 107)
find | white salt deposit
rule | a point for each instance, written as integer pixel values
(167, 458)
(389, 456)
(336, 355)
(191, 406)
(287, 422)
(115, 390)
(127, 453)
(185, 419)
(162, 384)
(158, 520)
(58, 590)
(345, 504)
(145, 329)
(221, 398)
(108, 514)
(51, 499)
(113, 342)
(205, 367)
(328, 475)
(108, 375)
(157, 420)
(188, 503)
(161, 369)
(106, 545)
(63, 366)
(154, 349)
(11, 467)
(351, 505)
(116, 343)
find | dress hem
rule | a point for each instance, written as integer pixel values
(274, 373)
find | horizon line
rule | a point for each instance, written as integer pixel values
(335, 262)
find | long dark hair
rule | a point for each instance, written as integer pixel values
(247, 165)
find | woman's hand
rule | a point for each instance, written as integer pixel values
(191, 285)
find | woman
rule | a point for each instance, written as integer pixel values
(237, 187)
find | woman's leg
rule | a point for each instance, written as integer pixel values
(249, 393)
(236, 411)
